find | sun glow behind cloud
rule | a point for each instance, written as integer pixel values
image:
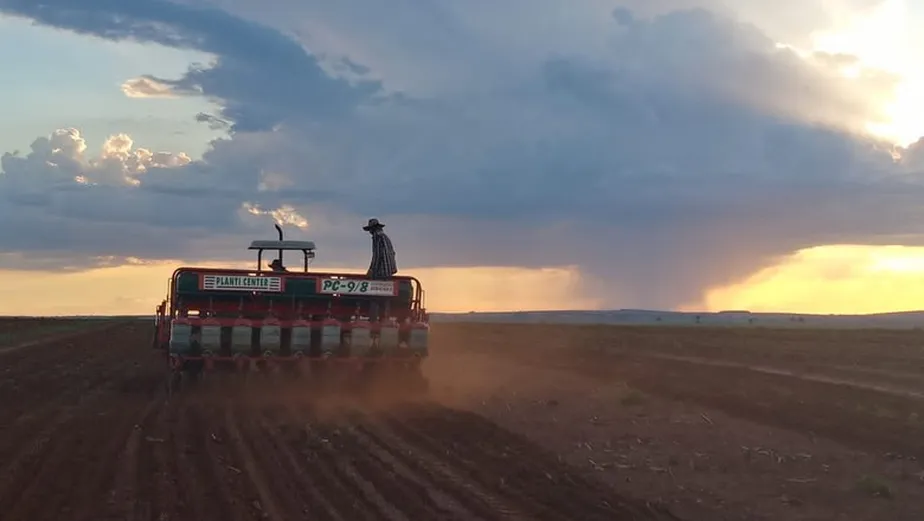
(881, 38)
(832, 279)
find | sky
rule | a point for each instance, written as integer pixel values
(525, 154)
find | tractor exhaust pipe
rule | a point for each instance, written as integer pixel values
(279, 231)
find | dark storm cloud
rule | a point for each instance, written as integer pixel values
(689, 153)
(262, 76)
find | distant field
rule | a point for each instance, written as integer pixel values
(873, 351)
(18, 330)
(626, 317)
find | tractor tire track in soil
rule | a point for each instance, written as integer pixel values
(837, 412)
(513, 468)
(858, 416)
(90, 434)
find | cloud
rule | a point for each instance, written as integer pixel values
(261, 75)
(661, 153)
(285, 215)
(913, 157)
(72, 208)
(62, 159)
(147, 87)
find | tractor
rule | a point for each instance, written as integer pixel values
(299, 322)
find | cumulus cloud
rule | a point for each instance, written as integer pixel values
(663, 151)
(62, 158)
(74, 209)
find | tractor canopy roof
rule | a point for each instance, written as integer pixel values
(282, 245)
(306, 247)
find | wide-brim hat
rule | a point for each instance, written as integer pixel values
(373, 223)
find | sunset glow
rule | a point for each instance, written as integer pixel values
(137, 289)
(883, 39)
(832, 279)
(826, 279)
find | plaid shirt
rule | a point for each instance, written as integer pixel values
(383, 257)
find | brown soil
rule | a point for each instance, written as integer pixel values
(89, 434)
(20, 332)
(9, 324)
(717, 424)
(523, 422)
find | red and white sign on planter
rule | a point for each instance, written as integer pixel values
(220, 282)
(333, 285)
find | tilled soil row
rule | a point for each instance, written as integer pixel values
(68, 469)
(32, 335)
(864, 418)
(106, 443)
(524, 477)
(47, 377)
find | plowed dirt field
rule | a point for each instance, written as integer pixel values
(717, 423)
(89, 434)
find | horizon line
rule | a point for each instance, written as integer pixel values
(540, 311)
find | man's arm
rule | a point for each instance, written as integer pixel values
(390, 266)
(379, 247)
(378, 254)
